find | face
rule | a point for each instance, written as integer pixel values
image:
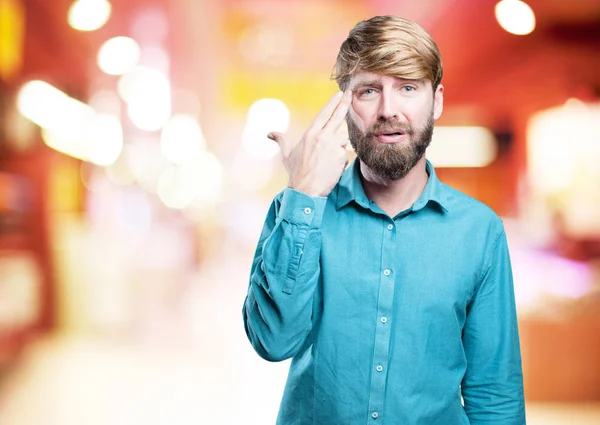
(390, 123)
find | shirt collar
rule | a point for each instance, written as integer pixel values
(350, 188)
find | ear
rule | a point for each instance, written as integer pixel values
(438, 101)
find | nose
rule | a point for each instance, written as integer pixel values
(387, 107)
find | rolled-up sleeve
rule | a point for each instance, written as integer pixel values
(492, 387)
(278, 308)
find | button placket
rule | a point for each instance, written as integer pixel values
(384, 315)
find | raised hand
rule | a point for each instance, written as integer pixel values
(316, 163)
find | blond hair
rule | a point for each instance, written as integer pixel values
(389, 45)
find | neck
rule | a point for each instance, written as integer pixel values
(394, 196)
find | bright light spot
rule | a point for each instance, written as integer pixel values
(89, 15)
(196, 182)
(182, 139)
(118, 55)
(67, 142)
(70, 126)
(105, 139)
(554, 166)
(135, 82)
(462, 147)
(563, 157)
(264, 116)
(515, 16)
(148, 94)
(49, 107)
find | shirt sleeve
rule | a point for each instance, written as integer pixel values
(278, 308)
(492, 387)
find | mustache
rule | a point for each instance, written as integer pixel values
(389, 125)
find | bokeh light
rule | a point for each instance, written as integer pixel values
(89, 15)
(264, 116)
(515, 16)
(118, 55)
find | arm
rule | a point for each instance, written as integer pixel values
(492, 387)
(285, 271)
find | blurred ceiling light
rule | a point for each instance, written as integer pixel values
(89, 15)
(264, 116)
(67, 142)
(148, 94)
(137, 81)
(70, 126)
(118, 55)
(182, 139)
(49, 107)
(99, 141)
(462, 147)
(149, 114)
(105, 139)
(563, 150)
(515, 16)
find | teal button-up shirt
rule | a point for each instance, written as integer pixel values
(389, 320)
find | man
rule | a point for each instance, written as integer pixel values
(391, 292)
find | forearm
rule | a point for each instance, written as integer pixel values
(285, 272)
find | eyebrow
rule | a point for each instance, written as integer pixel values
(377, 83)
(366, 83)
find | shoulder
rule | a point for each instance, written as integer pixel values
(473, 210)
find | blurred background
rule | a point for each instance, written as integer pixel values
(135, 176)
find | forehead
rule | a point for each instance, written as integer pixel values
(366, 77)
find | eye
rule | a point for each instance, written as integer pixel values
(408, 88)
(367, 92)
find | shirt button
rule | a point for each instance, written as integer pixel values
(379, 368)
(386, 272)
(390, 226)
(374, 415)
(383, 319)
(307, 210)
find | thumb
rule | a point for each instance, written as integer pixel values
(283, 143)
(275, 136)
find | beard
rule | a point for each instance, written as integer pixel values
(390, 161)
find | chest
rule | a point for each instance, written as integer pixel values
(419, 265)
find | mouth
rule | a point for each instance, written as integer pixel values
(390, 136)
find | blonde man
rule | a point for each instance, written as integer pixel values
(391, 292)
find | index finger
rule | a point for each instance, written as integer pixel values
(340, 112)
(327, 112)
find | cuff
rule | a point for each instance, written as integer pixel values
(299, 208)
